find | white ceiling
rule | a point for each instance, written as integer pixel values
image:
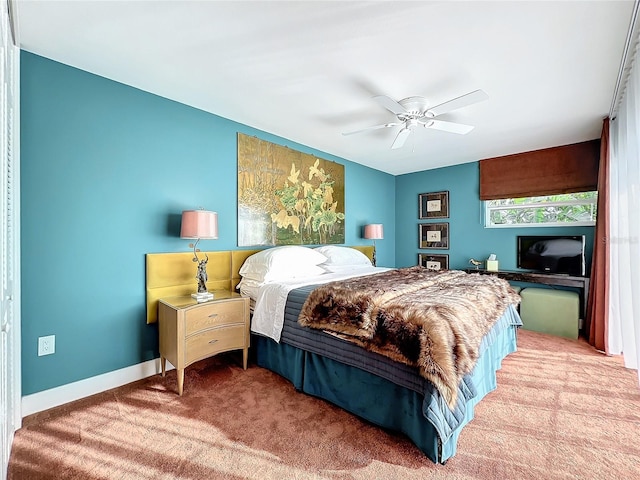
(307, 70)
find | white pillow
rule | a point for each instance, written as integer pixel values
(343, 255)
(281, 263)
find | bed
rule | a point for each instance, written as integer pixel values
(383, 391)
(363, 379)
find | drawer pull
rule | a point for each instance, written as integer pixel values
(213, 341)
(213, 315)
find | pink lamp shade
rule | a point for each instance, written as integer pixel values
(374, 231)
(200, 224)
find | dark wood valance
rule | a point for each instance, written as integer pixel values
(566, 169)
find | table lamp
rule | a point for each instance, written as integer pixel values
(374, 232)
(200, 224)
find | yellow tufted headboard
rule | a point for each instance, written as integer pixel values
(174, 274)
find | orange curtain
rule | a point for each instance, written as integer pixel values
(598, 304)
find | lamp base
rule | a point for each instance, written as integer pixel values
(202, 297)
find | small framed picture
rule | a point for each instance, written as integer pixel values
(434, 235)
(433, 261)
(433, 205)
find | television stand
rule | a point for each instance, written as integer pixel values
(554, 279)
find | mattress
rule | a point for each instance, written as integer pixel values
(250, 291)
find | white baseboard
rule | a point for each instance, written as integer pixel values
(37, 402)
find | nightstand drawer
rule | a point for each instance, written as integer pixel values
(209, 342)
(211, 315)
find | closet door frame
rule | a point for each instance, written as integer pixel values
(10, 379)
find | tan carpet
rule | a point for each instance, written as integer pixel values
(561, 411)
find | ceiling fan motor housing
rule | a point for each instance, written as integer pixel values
(416, 107)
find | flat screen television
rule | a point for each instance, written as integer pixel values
(562, 254)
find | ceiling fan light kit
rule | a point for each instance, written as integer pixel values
(414, 111)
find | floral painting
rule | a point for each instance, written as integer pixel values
(286, 197)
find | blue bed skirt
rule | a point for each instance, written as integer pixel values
(378, 400)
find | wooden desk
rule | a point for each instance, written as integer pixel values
(546, 279)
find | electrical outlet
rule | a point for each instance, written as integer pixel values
(46, 345)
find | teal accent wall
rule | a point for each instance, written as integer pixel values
(106, 170)
(468, 237)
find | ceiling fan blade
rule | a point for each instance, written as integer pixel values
(375, 127)
(390, 104)
(401, 138)
(456, 103)
(449, 126)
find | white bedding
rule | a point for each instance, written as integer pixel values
(250, 291)
(268, 312)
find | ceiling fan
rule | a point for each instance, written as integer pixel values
(415, 112)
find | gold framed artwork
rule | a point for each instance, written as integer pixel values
(433, 261)
(434, 235)
(286, 197)
(433, 205)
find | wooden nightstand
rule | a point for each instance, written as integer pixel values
(191, 331)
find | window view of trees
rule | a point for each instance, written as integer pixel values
(550, 210)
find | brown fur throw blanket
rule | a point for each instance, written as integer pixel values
(432, 320)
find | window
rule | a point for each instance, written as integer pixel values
(568, 209)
